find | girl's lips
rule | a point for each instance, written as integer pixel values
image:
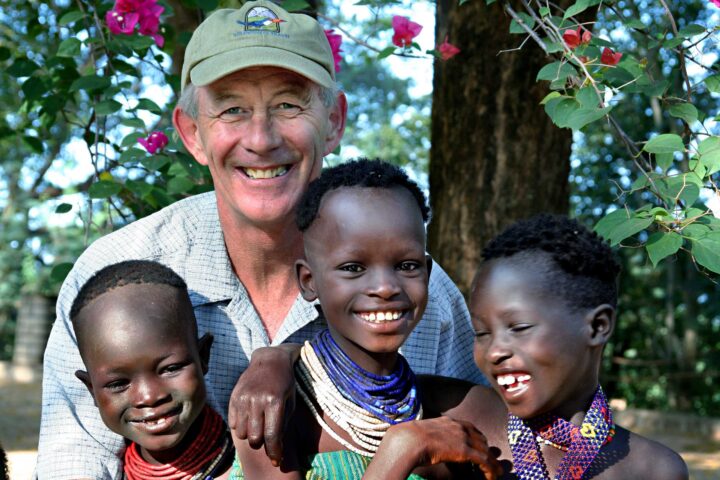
(155, 424)
(513, 384)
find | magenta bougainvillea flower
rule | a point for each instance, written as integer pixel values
(447, 50)
(123, 17)
(716, 3)
(157, 140)
(575, 38)
(609, 57)
(404, 30)
(335, 41)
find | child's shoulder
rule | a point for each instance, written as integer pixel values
(630, 455)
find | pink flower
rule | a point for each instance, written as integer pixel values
(448, 50)
(124, 6)
(121, 23)
(404, 31)
(716, 3)
(575, 38)
(609, 57)
(155, 141)
(335, 40)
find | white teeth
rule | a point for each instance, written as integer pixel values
(523, 378)
(255, 173)
(507, 380)
(377, 317)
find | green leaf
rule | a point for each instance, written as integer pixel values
(685, 111)
(131, 139)
(577, 7)
(709, 151)
(635, 23)
(5, 53)
(139, 188)
(588, 97)
(662, 244)
(618, 225)
(529, 22)
(155, 162)
(673, 42)
(107, 107)
(559, 110)
(691, 30)
(133, 123)
(69, 47)
(22, 67)
(179, 185)
(556, 71)
(90, 83)
(706, 251)
(544, 11)
(70, 17)
(386, 52)
(665, 143)
(60, 271)
(295, 5)
(63, 208)
(664, 160)
(583, 116)
(696, 230)
(33, 88)
(713, 83)
(132, 155)
(689, 193)
(104, 189)
(549, 97)
(34, 143)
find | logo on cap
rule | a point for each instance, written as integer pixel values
(261, 18)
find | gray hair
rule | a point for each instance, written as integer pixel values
(188, 101)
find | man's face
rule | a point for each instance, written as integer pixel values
(366, 263)
(263, 132)
(144, 367)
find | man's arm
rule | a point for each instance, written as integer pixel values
(74, 442)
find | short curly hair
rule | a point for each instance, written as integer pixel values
(126, 273)
(587, 271)
(356, 173)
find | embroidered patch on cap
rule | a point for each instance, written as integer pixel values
(261, 18)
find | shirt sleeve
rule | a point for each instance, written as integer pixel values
(74, 442)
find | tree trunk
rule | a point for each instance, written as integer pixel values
(496, 157)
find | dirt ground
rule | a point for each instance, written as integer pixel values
(20, 418)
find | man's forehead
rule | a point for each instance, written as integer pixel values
(267, 76)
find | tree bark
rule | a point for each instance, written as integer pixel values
(496, 157)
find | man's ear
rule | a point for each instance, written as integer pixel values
(429, 261)
(305, 280)
(338, 117)
(601, 323)
(187, 128)
(204, 345)
(84, 377)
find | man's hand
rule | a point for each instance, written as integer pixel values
(419, 443)
(264, 399)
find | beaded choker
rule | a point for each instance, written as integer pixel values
(363, 404)
(581, 444)
(211, 449)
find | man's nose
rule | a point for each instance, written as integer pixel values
(261, 135)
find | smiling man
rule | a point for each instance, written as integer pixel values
(260, 107)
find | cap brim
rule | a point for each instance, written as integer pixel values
(223, 64)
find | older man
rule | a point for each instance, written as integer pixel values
(260, 108)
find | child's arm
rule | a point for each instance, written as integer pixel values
(409, 445)
(258, 408)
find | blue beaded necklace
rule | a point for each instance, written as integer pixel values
(393, 398)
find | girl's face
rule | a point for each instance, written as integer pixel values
(529, 344)
(144, 365)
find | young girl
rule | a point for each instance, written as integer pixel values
(365, 261)
(137, 336)
(543, 307)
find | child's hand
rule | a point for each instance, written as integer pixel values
(409, 445)
(264, 398)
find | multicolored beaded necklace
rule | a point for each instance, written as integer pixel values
(581, 444)
(211, 448)
(363, 404)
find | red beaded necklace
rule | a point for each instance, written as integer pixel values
(208, 450)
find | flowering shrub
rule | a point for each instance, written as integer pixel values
(126, 14)
(404, 30)
(335, 42)
(447, 50)
(154, 142)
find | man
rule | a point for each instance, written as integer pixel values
(260, 107)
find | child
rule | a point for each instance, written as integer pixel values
(543, 307)
(365, 261)
(137, 336)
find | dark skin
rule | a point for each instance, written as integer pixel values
(374, 264)
(523, 328)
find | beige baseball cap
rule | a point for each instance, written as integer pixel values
(259, 34)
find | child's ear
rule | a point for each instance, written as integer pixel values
(204, 345)
(429, 261)
(601, 323)
(84, 377)
(305, 280)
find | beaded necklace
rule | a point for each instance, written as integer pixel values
(363, 404)
(581, 444)
(211, 448)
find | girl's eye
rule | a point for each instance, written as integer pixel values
(117, 385)
(172, 368)
(519, 327)
(352, 268)
(481, 335)
(408, 266)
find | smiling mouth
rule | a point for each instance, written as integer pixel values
(380, 317)
(513, 382)
(265, 173)
(158, 421)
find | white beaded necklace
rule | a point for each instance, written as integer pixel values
(316, 388)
